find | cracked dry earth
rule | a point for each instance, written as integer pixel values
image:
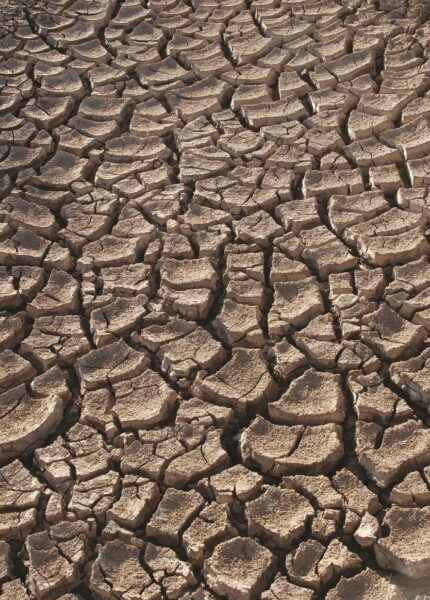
(215, 300)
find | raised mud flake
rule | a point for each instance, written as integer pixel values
(387, 178)
(246, 48)
(371, 153)
(116, 319)
(48, 113)
(161, 205)
(395, 456)
(118, 572)
(142, 401)
(418, 170)
(115, 362)
(202, 163)
(132, 224)
(206, 61)
(183, 349)
(412, 490)
(282, 588)
(322, 184)
(20, 157)
(128, 280)
(86, 221)
(146, 457)
(198, 411)
(138, 499)
(110, 251)
(375, 402)
(175, 511)
(393, 237)
(129, 147)
(67, 83)
(55, 558)
(296, 215)
(53, 381)
(285, 269)
(25, 247)
(103, 108)
(337, 560)
(20, 496)
(258, 228)
(176, 245)
(416, 109)
(405, 549)
(199, 461)
(174, 576)
(368, 531)
(197, 133)
(82, 450)
(230, 195)
(280, 516)
(200, 218)
(14, 590)
(388, 334)
(325, 252)
(295, 304)
(287, 358)
(245, 265)
(318, 341)
(211, 527)
(318, 489)
(412, 139)
(302, 564)
(239, 324)
(413, 377)
(157, 336)
(18, 212)
(245, 143)
(349, 66)
(141, 175)
(9, 295)
(93, 498)
(355, 494)
(201, 98)
(196, 351)
(62, 170)
(243, 383)
(96, 411)
(90, 455)
(5, 562)
(187, 286)
(58, 297)
(292, 157)
(362, 125)
(14, 369)
(239, 568)
(367, 585)
(26, 421)
(268, 445)
(59, 257)
(305, 458)
(232, 484)
(314, 398)
(271, 113)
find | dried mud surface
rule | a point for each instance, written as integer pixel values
(214, 300)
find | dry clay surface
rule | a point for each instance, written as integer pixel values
(214, 300)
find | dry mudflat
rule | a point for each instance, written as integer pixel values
(214, 300)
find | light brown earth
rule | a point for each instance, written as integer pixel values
(214, 300)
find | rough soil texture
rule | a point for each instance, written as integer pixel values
(214, 300)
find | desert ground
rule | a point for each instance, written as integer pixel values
(214, 300)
